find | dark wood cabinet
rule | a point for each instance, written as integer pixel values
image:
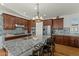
(8, 21)
(74, 41)
(67, 40)
(25, 24)
(56, 39)
(29, 26)
(47, 22)
(33, 23)
(78, 42)
(19, 21)
(58, 23)
(59, 39)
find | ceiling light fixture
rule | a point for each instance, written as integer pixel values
(37, 18)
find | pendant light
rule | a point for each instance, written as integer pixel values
(37, 18)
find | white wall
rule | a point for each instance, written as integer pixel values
(71, 19)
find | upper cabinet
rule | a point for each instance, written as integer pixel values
(21, 21)
(11, 21)
(33, 23)
(58, 23)
(8, 21)
(25, 23)
(29, 25)
(47, 22)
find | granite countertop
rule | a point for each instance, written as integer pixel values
(67, 34)
(12, 35)
(17, 46)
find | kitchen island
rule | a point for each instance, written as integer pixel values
(23, 46)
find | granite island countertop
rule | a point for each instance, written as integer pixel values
(17, 46)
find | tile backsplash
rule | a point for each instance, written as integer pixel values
(16, 31)
(63, 30)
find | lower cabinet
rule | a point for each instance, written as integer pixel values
(72, 41)
(59, 39)
(78, 43)
(67, 40)
(75, 41)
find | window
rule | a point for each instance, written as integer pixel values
(74, 28)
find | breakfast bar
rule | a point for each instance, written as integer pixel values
(23, 46)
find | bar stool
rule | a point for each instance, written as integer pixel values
(46, 49)
(49, 47)
(37, 50)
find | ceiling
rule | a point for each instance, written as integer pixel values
(47, 10)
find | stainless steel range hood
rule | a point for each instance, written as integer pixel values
(19, 26)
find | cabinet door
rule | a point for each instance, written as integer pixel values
(25, 24)
(55, 37)
(13, 22)
(33, 23)
(72, 41)
(78, 42)
(5, 21)
(44, 22)
(17, 20)
(20, 21)
(55, 24)
(29, 26)
(8, 21)
(47, 22)
(58, 23)
(66, 40)
(59, 39)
